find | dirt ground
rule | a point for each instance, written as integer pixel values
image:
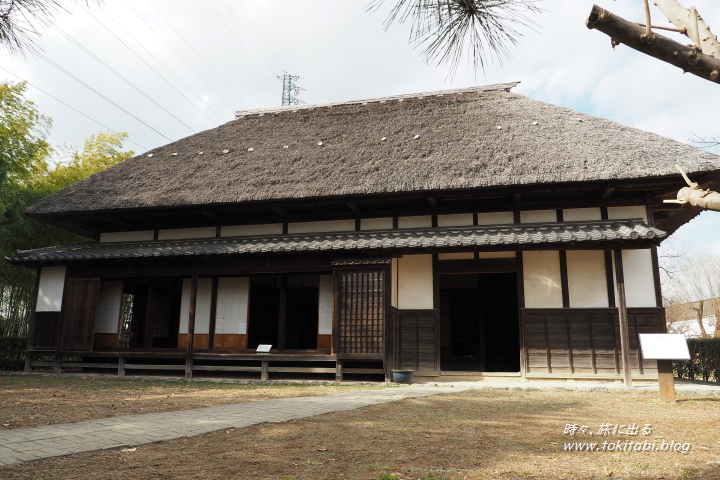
(31, 401)
(479, 434)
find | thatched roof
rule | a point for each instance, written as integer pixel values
(477, 137)
(456, 237)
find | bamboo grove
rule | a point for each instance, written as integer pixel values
(30, 168)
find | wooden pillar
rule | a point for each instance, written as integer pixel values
(31, 326)
(622, 315)
(213, 313)
(149, 327)
(666, 380)
(191, 322)
(264, 370)
(121, 367)
(282, 312)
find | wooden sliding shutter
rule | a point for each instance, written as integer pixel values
(361, 310)
(79, 310)
(417, 345)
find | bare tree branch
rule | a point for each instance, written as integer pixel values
(705, 142)
(691, 21)
(689, 59)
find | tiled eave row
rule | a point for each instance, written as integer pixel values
(448, 237)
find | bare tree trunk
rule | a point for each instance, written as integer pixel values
(707, 199)
(682, 17)
(689, 59)
(699, 310)
(715, 304)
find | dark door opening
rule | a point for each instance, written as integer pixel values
(479, 322)
(264, 311)
(150, 313)
(284, 311)
(301, 317)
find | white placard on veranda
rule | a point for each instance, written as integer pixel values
(664, 346)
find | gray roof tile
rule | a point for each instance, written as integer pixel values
(510, 235)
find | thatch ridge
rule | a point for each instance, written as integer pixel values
(434, 142)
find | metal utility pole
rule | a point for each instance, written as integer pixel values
(290, 89)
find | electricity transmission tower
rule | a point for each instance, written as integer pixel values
(290, 89)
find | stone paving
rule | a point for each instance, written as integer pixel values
(56, 440)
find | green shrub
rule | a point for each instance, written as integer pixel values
(704, 363)
(12, 353)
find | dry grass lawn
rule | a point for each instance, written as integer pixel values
(479, 434)
(31, 401)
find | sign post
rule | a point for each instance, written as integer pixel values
(665, 347)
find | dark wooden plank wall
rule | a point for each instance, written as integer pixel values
(572, 341)
(361, 313)
(417, 340)
(45, 330)
(79, 311)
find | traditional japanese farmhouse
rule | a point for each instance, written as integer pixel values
(464, 232)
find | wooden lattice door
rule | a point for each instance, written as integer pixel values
(361, 310)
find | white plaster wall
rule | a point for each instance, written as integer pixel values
(139, 236)
(541, 278)
(251, 230)
(587, 278)
(385, 223)
(455, 220)
(325, 305)
(639, 280)
(50, 289)
(634, 211)
(579, 214)
(108, 309)
(538, 216)
(456, 256)
(202, 306)
(394, 283)
(186, 233)
(324, 226)
(423, 221)
(496, 255)
(232, 305)
(496, 218)
(415, 282)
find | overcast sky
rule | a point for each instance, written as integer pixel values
(189, 65)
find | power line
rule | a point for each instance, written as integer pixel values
(153, 68)
(43, 57)
(123, 78)
(259, 34)
(241, 45)
(197, 54)
(248, 37)
(177, 54)
(69, 106)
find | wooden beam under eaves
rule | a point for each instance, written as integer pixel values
(118, 221)
(211, 215)
(607, 192)
(145, 218)
(432, 201)
(516, 198)
(279, 210)
(352, 205)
